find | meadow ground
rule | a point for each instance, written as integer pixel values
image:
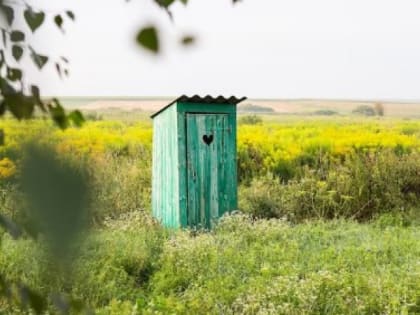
(329, 222)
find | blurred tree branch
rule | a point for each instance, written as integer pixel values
(63, 195)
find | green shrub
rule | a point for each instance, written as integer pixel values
(250, 120)
(363, 187)
(263, 198)
(251, 108)
(325, 112)
(122, 184)
(364, 110)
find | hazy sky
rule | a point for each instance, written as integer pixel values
(347, 49)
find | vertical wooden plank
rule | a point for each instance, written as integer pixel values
(165, 203)
(193, 192)
(224, 175)
(208, 178)
(232, 186)
(182, 167)
(203, 167)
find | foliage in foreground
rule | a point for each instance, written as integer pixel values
(132, 266)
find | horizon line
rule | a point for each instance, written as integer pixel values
(258, 99)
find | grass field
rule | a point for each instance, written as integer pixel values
(244, 267)
(329, 221)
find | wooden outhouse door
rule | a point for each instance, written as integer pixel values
(209, 163)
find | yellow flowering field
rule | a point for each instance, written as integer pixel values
(275, 143)
(266, 145)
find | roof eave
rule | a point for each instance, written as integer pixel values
(205, 100)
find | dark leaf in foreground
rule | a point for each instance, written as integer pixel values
(164, 3)
(58, 69)
(21, 106)
(8, 12)
(34, 19)
(39, 60)
(58, 20)
(7, 224)
(17, 36)
(77, 118)
(32, 299)
(58, 114)
(57, 194)
(148, 39)
(14, 74)
(17, 52)
(188, 40)
(71, 15)
(36, 94)
(2, 111)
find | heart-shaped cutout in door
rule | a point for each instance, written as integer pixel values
(208, 139)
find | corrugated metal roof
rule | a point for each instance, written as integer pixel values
(205, 100)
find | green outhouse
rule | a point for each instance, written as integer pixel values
(194, 161)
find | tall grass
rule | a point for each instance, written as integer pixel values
(317, 169)
(132, 266)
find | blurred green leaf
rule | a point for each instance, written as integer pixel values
(2, 111)
(187, 40)
(58, 20)
(57, 197)
(32, 299)
(58, 68)
(58, 113)
(20, 105)
(5, 288)
(5, 88)
(34, 19)
(71, 15)
(64, 59)
(36, 93)
(17, 36)
(5, 222)
(39, 60)
(77, 118)
(2, 60)
(8, 12)
(17, 52)
(14, 74)
(164, 3)
(148, 39)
